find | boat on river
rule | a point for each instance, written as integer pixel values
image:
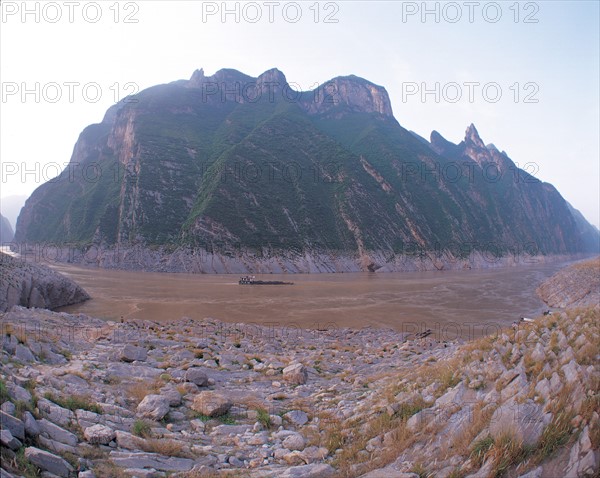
(251, 280)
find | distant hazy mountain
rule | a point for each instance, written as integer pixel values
(10, 207)
(6, 231)
(235, 163)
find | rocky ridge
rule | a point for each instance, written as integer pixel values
(88, 398)
(251, 175)
(35, 285)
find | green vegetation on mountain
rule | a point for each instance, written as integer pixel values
(230, 163)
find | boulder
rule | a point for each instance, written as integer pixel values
(99, 434)
(295, 373)
(524, 422)
(150, 460)
(48, 462)
(154, 407)
(211, 404)
(294, 442)
(23, 354)
(9, 441)
(296, 417)
(133, 353)
(571, 372)
(13, 425)
(196, 376)
(309, 471)
(57, 433)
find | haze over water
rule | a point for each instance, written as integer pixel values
(466, 303)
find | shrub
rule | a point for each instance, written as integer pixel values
(141, 428)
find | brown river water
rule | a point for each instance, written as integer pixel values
(452, 303)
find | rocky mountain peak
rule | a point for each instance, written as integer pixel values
(440, 144)
(198, 76)
(472, 137)
(272, 76)
(346, 94)
(223, 76)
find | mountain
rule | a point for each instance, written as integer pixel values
(229, 173)
(10, 207)
(6, 231)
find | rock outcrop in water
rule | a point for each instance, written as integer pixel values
(258, 176)
(34, 285)
(88, 398)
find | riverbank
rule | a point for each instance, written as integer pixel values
(238, 261)
(35, 285)
(85, 398)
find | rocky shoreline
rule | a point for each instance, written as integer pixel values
(201, 261)
(574, 286)
(35, 285)
(86, 398)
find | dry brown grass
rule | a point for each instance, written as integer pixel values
(479, 419)
(138, 390)
(166, 447)
(107, 469)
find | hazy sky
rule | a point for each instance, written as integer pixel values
(525, 73)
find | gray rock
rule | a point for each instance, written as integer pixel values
(517, 386)
(172, 395)
(13, 425)
(9, 441)
(543, 388)
(536, 473)
(373, 444)
(19, 393)
(295, 373)
(150, 460)
(55, 446)
(154, 407)
(129, 441)
(144, 473)
(389, 472)
(126, 370)
(86, 474)
(538, 353)
(235, 462)
(57, 433)
(9, 407)
(296, 417)
(211, 404)
(571, 372)
(452, 396)
(23, 354)
(230, 429)
(525, 422)
(55, 413)
(38, 286)
(484, 471)
(197, 376)
(133, 353)
(420, 420)
(5, 474)
(309, 471)
(49, 462)
(294, 442)
(99, 434)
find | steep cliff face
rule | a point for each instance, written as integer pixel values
(247, 169)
